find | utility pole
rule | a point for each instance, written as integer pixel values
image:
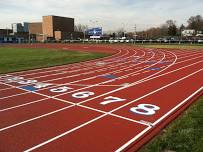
(29, 36)
(84, 32)
(123, 29)
(6, 31)
(135, 32)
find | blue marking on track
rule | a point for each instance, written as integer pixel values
(153, 69)
(29, 88)
(109, 76)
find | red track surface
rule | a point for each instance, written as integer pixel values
(116, 103)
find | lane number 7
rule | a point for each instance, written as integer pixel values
(111, 99)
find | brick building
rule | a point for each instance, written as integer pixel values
(35, 30)
(56, 27)
(5, 32)
(51, 28)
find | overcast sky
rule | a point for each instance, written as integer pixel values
(110, 14)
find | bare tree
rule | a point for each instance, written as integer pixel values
(80, 28)
(195, 22)
(121, 32)
(154, 32)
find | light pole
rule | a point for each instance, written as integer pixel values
(29, 36)
(135, 32)
(6, 31)
(124, 25)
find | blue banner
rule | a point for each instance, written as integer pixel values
(95, 31)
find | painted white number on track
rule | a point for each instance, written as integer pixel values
(60, 89)
(41, 85)
(81, 95)
(13, 79)
(27, 81)
(145, 109)
(111, 99)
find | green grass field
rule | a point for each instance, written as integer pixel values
(17, 59)
(185, 134)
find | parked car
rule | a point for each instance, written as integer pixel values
(200, 41)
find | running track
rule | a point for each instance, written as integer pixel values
(117, 103)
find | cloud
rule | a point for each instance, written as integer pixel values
(110, 14)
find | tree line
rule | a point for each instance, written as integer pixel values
(170, 28)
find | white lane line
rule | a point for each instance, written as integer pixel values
(72, 130)
(58, 85)
(88, 87)
(166, 86)
(155, 77)
(59, 110)
(100, 85)
(41, 89)
(107, 73)
(111, 111)
(15, 95)
(155, 123)
(92, 85)
(121, 117)
(176, 107)
(79, 74)
(137, 82)
(65, 133)
(43, 95)
(96, 70)
(29, 120)
(25, 92)
(5, 88)
(104, 69)
(22, 105)
(133, 139)
(128, 119)
(72, 75)
(34, 119)
(135, 74)
(77, 89)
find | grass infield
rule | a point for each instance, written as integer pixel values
(18, 59)
(185, 134)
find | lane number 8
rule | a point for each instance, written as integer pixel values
(145, 109)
